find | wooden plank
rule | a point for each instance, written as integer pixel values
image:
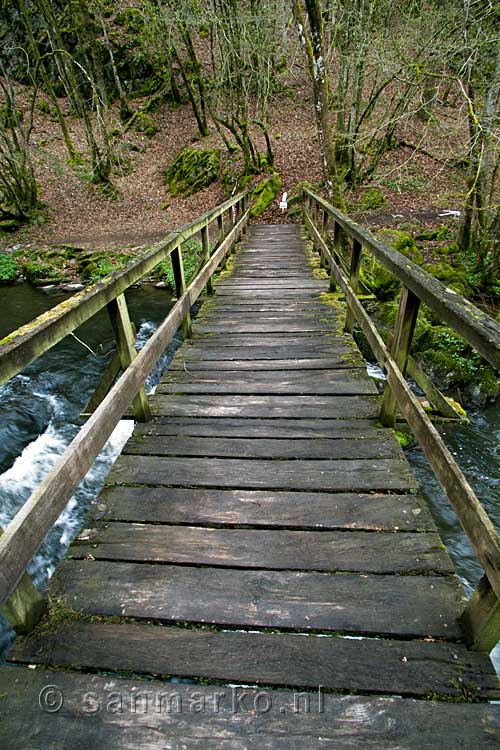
(382, 446)
(307, 340)
(245, 293)
(409, 606)
(275, 324)
(216, 382)
(260, 428)
(161, 716)
(352, 551)
(241, 282)
(306, 350)
(369, 512)
(342, 361)
(365, 665)
(332, 476)
(192, 405)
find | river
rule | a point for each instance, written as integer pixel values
(39, 415)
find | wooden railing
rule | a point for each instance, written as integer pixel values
(21, 602)
(334, 235)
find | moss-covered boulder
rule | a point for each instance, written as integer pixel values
(454, 277)
(264, 194)
(381, 282)
(403, 242)
(192, 170)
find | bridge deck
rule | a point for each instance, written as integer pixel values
(261, 504)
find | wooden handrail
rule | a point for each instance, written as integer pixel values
(481, 617)
(30, 341)
(479, 329)
(25, 533)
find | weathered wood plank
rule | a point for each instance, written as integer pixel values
(380, 666)
(260, 428)
(409, 606)
(309, 340)
(381, 446)
(298, 382)
(334, 476)
(354, 551)
(306, 350)
(369, 512)
(159, 716)
(282, 325)
(266, 406)
(341, 361)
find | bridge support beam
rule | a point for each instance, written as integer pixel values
(354, 282)
(180, 287)
(25, 606)
(205, 242)
(481, 618)
(409, 305)
(125, 340)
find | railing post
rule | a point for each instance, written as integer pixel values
(324, 236)
(180, 287)
(353, 281)
(25, 606)
(205, 242)
(125, 340)
(409, 304)
(481, 618)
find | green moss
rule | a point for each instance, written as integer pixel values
(405, 439)
(403, 242)
(191, 258)
(192, 170)
(144, 123)
(264, 194)
(131, 19)
(384, 285)
(372, 199)
(454, 277)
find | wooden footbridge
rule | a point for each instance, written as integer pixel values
(259, 571)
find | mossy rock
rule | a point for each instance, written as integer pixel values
(40, 273)
(379, 280)
(144, 123)
(192, 170)
(403, 242)
(454, 277)
(9, 225)
(264, 194)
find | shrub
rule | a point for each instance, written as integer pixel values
(8, 269)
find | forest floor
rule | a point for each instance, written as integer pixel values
(417, 188)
